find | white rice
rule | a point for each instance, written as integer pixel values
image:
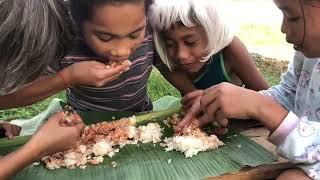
(150, 133)
(103, 148)
(190, 145)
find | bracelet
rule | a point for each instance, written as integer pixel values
(64, 80)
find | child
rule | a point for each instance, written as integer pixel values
(109, 31)
(192, 38)
(291, 110)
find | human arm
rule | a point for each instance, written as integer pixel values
(90, 73)
(242, 65)
(297, 139)
(50, 138)
(284, 93)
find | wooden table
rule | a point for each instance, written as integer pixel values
(260, 135)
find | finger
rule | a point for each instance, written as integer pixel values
(191, 96)
(186, 108)
(221, 119)
(190, 103)
(223, 122)
(205, 119)
(80, 125)
(211, 108)
(208, 96)
(185, 122)
(114, 71)
(9, 131)
(126, 63)
(220, 131)
(108, 72)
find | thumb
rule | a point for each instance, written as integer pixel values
(9, 132)
(80, 126)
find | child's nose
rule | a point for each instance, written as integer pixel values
(182, 54)
(121, 52)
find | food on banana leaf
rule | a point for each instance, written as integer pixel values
(191, 140)
(105, 139)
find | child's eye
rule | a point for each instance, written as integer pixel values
(104, 38)
(134, 36)
(191, 43)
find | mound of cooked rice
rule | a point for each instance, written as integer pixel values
(191, 140)
(102, 139)
(105, 139)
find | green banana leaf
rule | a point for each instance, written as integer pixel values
(148, 161)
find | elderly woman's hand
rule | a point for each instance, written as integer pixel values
(52, 137)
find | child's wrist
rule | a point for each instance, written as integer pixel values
(269, 112)
(66, 78)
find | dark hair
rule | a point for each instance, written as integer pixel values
(33, 34)
(81, 10)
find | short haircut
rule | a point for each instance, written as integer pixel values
(81, 10)
(165, 13)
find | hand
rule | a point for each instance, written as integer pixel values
(52, 137)
(11, 130)
(226, 101)
(191, 107)
(93, 73)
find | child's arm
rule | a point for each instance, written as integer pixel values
(177, 78)
(243, 66)
(298, 140)
(88, 73)
(33, 92)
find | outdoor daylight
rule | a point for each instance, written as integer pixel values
(159, 89)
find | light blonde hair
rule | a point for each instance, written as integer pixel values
(165, 13)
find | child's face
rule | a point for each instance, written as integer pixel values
(115, 31)
(186, 46)
(305, 40)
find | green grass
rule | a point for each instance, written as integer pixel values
(159, 87)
